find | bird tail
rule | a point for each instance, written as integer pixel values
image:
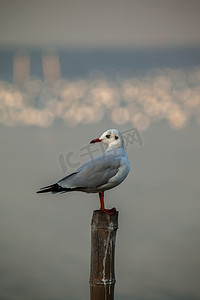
(53, 188)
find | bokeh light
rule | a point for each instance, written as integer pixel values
(161, 94)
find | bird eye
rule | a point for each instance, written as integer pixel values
(108, 136)
(116, 137)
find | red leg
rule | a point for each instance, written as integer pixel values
(102, 207)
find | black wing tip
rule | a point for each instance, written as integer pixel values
(53, 188)
(42, 191)
(56, 188)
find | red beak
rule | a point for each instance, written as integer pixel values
(95, 141)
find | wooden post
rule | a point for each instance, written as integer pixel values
(102, 274)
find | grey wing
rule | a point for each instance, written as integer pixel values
(93, 173)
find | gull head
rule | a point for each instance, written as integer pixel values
(112, 137)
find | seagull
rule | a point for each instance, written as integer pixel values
(100, 174)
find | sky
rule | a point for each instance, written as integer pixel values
(103, 23)
(69, 70)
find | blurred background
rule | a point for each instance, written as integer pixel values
(69, 70)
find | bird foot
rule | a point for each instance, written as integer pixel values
(110, 211)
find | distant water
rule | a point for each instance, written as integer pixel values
(136, 86)
(80, 63)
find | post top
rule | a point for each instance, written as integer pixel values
(105, 221)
